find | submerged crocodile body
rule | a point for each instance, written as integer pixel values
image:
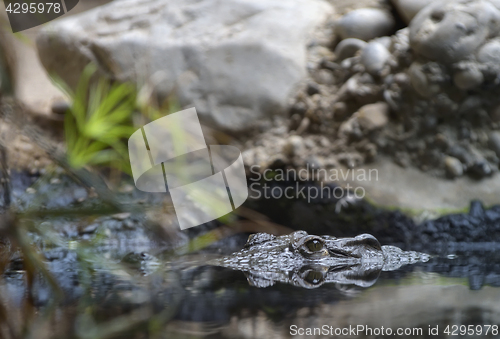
(309, 261)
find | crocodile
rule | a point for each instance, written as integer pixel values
(309, 261)
(303, 260)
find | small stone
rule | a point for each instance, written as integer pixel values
(60, 107)
(409, 8)
(490, 52)
(462, 154)
(373, 116)
(89, 229)
(476, 209)
(402, 159)
(299, 108)
(454, 167)
(348, 47)
(495, 114)
(339, 111)
(494, 142)
(55, 181)
(468, 78)
(480, 169)
(294, 146)
(121, 216)
(420, 81)
(374, 57)
(324, 77)
(365, 24)
(30, 190)
(312, 88)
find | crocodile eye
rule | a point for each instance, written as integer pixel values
(314, 245)
(314, 277)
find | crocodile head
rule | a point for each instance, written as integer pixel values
(310, 260)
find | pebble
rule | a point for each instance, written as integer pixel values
(374, 57)
(420, 82)
(489, 52)
(409, 8)
(294, 146)
(373, 116)
(121, 216)
(495, 114)
(450, 31)
(324, 77)
(481, 168)
(365, 24)
(494, 142)
(348, 47)
(468, 78)
(454, 167)
(312, 88)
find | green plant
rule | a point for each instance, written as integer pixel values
(99, 121)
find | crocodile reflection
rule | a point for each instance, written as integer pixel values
(309, 261)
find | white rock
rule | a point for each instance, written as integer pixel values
(236, 61)
(449, 31)
(409, 8)
(348, 47)
(453, 166)
(365, 24)
(490, 52)
(374, 57)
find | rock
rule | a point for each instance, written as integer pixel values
(490, 52)
(294, 146)
(365, 24)
(324, 77)
(494, 142)
(450, 31)
(480, 169)
(312, 88)
(453, 166)
(420, 82)
(373, 116)
(468, 78)
(237, 62)
(409, 8)
(374, 57)
(348, 47)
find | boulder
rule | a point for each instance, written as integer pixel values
(236, 61)
(452, 30)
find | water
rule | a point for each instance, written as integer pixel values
(102, 289)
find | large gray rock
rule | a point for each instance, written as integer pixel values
(236, 61)
(450, 31)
